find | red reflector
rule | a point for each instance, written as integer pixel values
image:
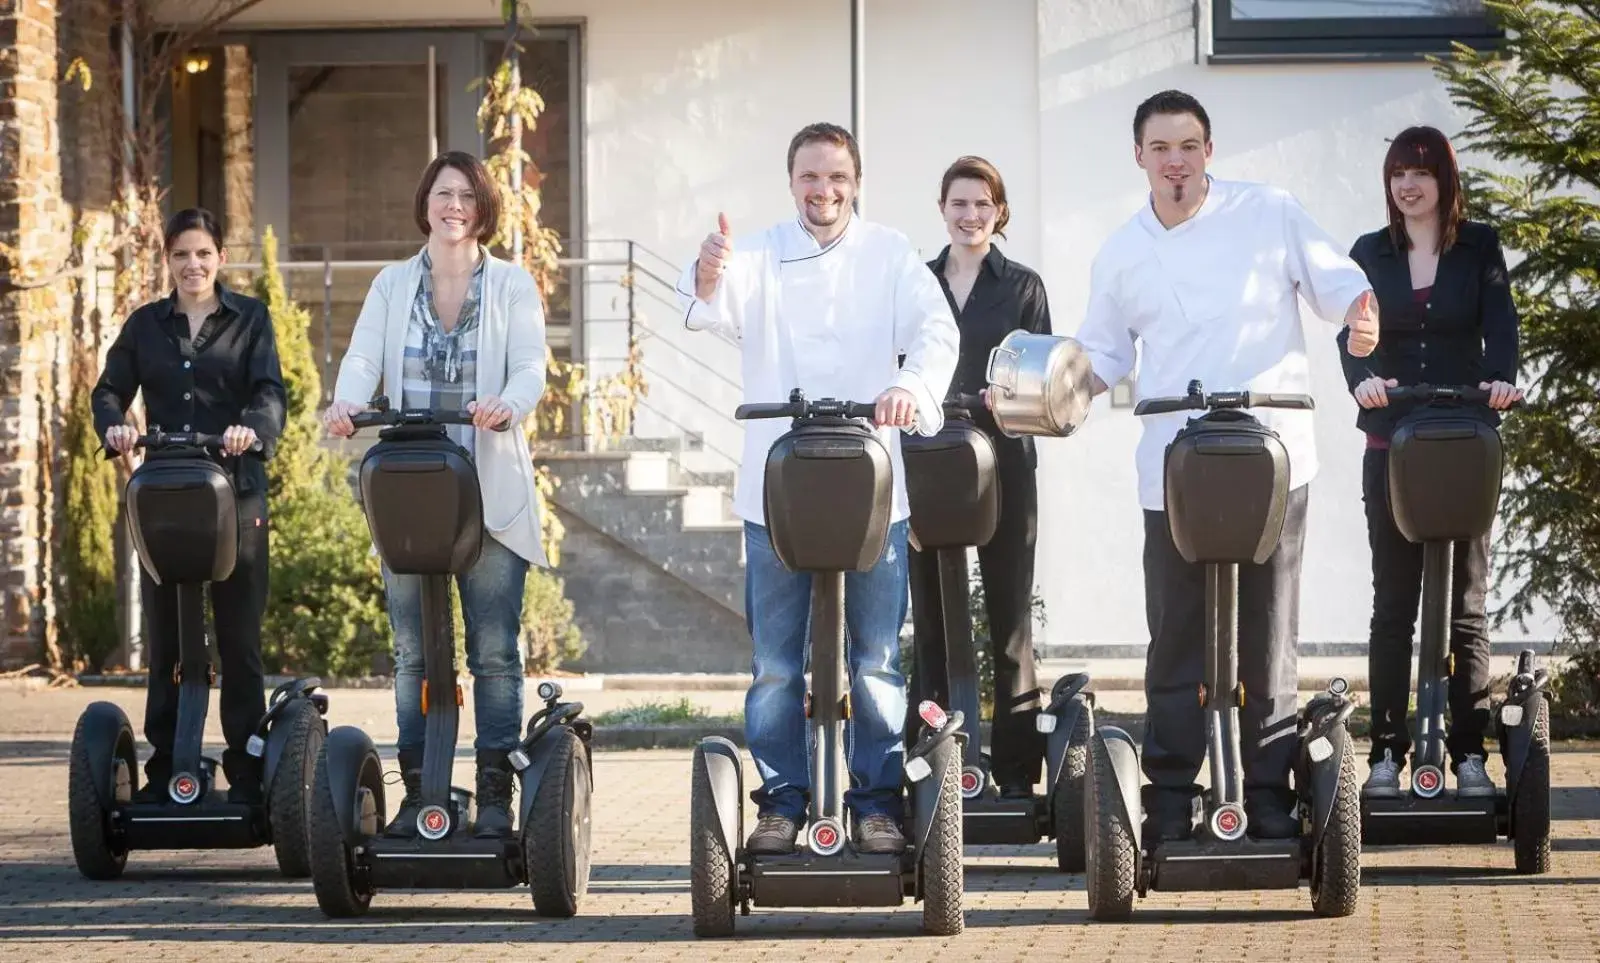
(931, 714)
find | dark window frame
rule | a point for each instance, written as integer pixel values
(1345, 38)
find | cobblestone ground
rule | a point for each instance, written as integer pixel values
(1462, 903)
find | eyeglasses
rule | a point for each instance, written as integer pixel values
(467, 198)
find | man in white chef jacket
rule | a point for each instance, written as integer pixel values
(826, 302)
(1205, 278)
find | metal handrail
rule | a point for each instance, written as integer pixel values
(655, 286)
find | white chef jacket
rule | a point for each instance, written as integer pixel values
(1215, 299)
(832, 321)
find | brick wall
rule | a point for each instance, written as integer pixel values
(238, 148)
(54, 186)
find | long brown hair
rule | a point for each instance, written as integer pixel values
(1424, 148)
(972, 167)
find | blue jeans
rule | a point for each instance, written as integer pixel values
(778, 608)
(491, 606)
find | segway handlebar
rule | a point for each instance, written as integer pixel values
(1197, 400)
(382, 416)
(798, 407)
(159, 439)
(1425, 393)
(962, 405)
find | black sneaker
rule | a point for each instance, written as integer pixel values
(774, 835)
(404, 824)
(1272, 814)
(879, 834)
(494, 795)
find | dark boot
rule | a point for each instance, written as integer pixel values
(1272, 813)
(494, 794)
(1168, 814)
(404, 824)
(157, 773)
(243, 772)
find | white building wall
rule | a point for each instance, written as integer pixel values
(690, 105)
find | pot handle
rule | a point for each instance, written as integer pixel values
(1009, 385)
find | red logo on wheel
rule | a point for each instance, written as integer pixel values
(826, 837)
(1428, 780)
(185, 786)
(969, 782)
(435, 821)
(1228, 822)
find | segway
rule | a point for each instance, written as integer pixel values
(420, 494)
(1226, 483)
(1444, 486)
(184, 520)
(828, 486)
(955, 504)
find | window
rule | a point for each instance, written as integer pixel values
(1347, 29)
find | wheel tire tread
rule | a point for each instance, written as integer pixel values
(710, 863)
(1067, 800)
(92, 850)
(546, 840)
(1531, 809)
(1336, 875)
(1110, 856)
(943, 879)
(331, 873)
(290, 801)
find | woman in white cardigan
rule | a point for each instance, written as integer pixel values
(456, 328)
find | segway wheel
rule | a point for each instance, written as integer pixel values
(1336, 861)
(1067, 799)
(1530, 810)
(555, 840)
(943, 880)
(289, 804)
(94, 847)
(711, 888)
(333, 869)
(1108, 850)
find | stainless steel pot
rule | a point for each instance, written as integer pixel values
(1039, 384)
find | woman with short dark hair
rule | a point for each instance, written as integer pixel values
(1447, 319)
(456, 328)
(206, 360)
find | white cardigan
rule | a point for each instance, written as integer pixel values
(511, 354)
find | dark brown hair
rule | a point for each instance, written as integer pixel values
(192, 219)
(972, 167)
(1169, 102)
(486, 219)
(825, 134)
(1424, 148)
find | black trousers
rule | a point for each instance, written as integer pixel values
(237, 605)
(1396, 595)
(1006, 567)
(1269, 631)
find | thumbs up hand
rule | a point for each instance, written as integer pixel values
(714, 254)
(1362, 320)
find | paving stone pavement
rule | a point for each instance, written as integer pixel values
(1462, 903)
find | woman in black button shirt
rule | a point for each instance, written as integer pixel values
(1447, 319)
(206, 360)
(992, 296)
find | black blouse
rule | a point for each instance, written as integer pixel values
(227, 375)
(1465, 333)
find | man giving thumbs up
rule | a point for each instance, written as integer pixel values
(827, 303)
